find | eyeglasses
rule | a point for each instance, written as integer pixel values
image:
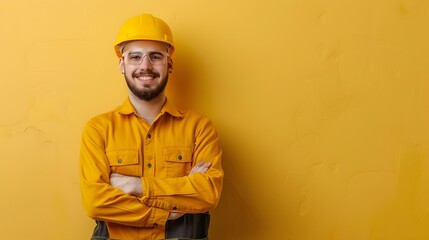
(135, 57)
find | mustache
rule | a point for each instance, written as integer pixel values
(145, 73)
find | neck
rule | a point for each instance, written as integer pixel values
(148, 110)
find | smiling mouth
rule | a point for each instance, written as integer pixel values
(146, 78)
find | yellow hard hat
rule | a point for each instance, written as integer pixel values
(144, 27)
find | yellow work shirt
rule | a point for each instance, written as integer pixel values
(162, 154)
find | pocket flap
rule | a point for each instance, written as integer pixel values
(177, 155)
(123, 157)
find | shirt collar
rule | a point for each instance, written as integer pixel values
(127, 108)
(170, 108)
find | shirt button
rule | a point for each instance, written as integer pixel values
(119, 160)
(149, 165)
(180, 157)
(149, 136)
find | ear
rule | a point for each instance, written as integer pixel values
(170, 64)
(121, 65)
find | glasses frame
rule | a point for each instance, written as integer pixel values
(145, 54)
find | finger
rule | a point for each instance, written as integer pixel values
(195, 169)
(116, 175)
(197, 166)
(202, 167)
(205, 167)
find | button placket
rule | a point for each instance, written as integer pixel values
(148, 154)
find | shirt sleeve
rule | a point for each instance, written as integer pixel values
(101, 201)
(197, 193)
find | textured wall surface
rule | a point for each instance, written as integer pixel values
(322, 107)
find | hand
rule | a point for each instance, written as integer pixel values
(200, 167)
(129, 185)
(175, 215)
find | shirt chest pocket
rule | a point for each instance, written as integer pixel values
(125, 162)
(178, 161)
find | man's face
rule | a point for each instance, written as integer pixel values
(145, 65)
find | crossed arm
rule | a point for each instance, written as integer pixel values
(133, 185)
(108, 198)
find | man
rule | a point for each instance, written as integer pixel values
(147, 164)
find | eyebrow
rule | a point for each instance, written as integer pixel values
(148, 52)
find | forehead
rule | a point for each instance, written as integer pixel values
(150, 45)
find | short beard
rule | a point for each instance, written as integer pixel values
(147, 94)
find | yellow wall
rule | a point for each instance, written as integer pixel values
(322, 107)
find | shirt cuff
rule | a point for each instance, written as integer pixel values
(160, 217)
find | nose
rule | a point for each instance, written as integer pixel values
(146, 63)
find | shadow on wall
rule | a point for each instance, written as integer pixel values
(187, 88)
(182, 84)
(234, 202)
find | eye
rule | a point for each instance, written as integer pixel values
(135, 57)
(156, 56)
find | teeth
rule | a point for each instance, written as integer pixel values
(146, 78)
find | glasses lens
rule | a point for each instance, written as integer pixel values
(136, 57)
(156, 58)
